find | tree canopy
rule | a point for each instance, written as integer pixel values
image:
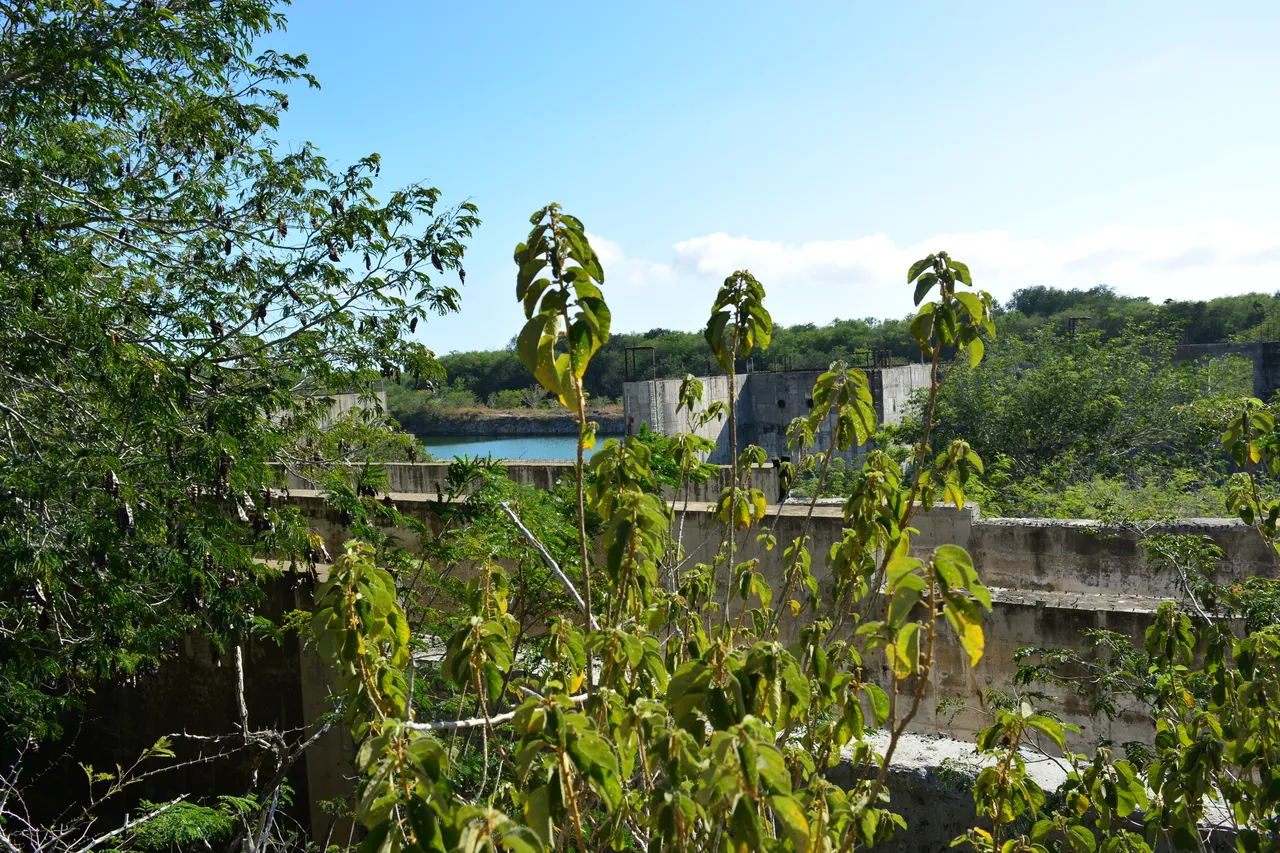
(1249, 317)
(177, 290)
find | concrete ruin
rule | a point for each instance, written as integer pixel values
(767, 403)
(1265, 356)
(1052, 581)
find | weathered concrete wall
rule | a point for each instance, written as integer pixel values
(343, 403)
(896, 386)
(1073, 556)
(770, 401)
(654, 402)
(408, 478)
(767, 403)
(1052, 582)
(1264, 354)
(192, 694)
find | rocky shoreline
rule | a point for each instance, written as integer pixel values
(505, 423)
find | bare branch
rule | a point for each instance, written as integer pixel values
(477, 722)
(131, 824)
(547, 558)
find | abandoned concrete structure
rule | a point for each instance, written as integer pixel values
(767, 403)
(1264, 354)
(1052, 582)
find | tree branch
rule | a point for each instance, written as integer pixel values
(130, 824)
(547, 558)
(476, 722)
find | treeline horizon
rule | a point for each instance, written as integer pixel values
(1243, 318)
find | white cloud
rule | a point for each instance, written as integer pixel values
(818, 281)
(619, 269)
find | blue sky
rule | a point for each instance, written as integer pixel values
(822, 145)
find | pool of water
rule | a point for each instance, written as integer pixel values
(558, 447)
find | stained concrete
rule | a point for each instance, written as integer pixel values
(1052, 583)
(766, 405)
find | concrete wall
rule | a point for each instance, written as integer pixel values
(407, 478)
(1054, 555)
(896, 385)
(1052, 582)
(1265, 356)
(767, 403)
(654, 402)
(194, 694)
(343, 403)
(770, 401)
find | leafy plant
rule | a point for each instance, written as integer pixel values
(667, 713)
(180, 293)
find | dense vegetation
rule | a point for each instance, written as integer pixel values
(178, 294)
(1250, 317)
(670, 715)
(1090, 426)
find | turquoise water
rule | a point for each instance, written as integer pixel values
(557, 447)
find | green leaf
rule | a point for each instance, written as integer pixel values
(924, 285)
(963, 616)
(773, 769)
(906, 657)
(905, 598)
(917, 268)
(1051, 728)
(922, 327)
(972, 305)
(879, 703)
(792, 817)
(1081, 839)
(745, 824)
(976, 349)
(425, 825)
(537, 814)
(519, 839)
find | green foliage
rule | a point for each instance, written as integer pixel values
(1030, 311)
(183, 824)
(363, 434)
(1084, 426)
(1003, 792)
(566, 305)
(675, 460)
(699, 728)
(739, 323)
(178, 291)
(1210, 688)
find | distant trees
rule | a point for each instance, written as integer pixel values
(1089, 424)
(1249, 317)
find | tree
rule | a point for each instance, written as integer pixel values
(177, 293)
(699, 728)
(667, 713)
(1085, 424)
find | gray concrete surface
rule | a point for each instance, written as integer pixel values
(767, 403)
